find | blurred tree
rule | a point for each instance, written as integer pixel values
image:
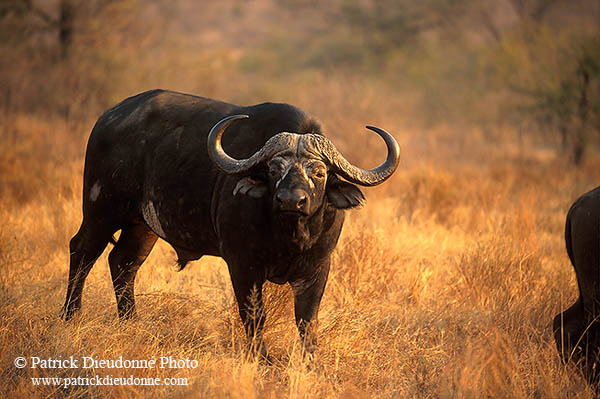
(489, 14)
(68, 57)
(534, 10)
(571, 105)
(538, 56)
(555, 78)
(391, 24)
(43, 20)
(66, 17)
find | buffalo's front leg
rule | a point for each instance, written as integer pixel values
(307, 298)
(248, 292)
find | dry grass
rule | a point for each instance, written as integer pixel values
(443, 286)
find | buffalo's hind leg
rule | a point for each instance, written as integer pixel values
(577, 339)
(86, 246)
(134, 245)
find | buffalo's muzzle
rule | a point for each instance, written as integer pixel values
(292, 201)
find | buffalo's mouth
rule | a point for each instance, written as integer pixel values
(292, 227)
(291, 214)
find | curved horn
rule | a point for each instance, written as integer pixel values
(365, 177)
(234, 166)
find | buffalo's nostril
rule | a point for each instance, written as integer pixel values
(292, 200)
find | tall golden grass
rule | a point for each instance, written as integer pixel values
(443, 285)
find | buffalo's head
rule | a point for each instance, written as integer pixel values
(301, 170)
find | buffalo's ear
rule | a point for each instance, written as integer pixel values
(251, 187)
(343, 195)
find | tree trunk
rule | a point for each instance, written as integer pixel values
(65, 27)
(581, 140)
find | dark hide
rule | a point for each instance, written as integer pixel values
(147, 173)
(577, 330)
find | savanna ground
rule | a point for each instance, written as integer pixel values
(443, 286)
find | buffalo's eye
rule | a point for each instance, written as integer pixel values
(318, 173)
(316, 170)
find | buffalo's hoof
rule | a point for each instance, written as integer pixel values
(67, 315)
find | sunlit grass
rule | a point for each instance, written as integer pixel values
(443, 285)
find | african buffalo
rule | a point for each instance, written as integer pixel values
(577, 329)
(269, 202)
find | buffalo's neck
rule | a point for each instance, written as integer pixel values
(300, 244)
(253, 238)
(297, 234)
